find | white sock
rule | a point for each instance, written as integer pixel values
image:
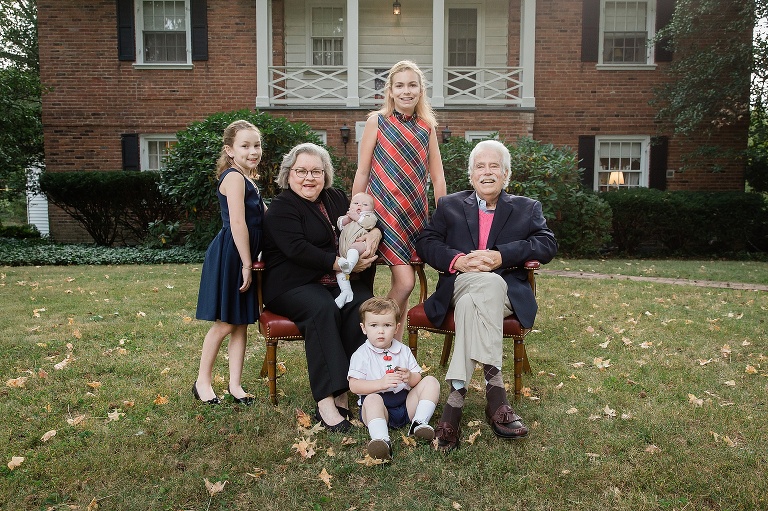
(345, 286)
(352, 257)
(378, 429)
(424, 411)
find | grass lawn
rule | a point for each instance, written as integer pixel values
(644, 396)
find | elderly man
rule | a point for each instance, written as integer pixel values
(476, 240)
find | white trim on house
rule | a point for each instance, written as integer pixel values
(622, 149)
(140, 63)
(650, 27)
(37, 203)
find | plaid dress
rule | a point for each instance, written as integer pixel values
(398, 182)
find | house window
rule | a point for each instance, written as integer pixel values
(154, 149)
(462, 50)
(627, 26)
(323, 134)
(327, 36)
(163, 32)
(477, 136)
(622, 162)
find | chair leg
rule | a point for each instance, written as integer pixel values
(521, 359)
(270, 361)
(447, 343)
(413, 341)
(526, 365)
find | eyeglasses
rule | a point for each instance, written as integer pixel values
(302, 172)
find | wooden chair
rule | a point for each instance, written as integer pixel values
(274, 328)
(417, 320)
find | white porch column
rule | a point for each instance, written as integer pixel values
(528, 51)
(263, 45)
(438, 52)
(353, 53)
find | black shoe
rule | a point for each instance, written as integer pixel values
(247, 400)
(213, 401)
(344, 412)
(342, 427)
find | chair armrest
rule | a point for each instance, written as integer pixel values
(418, 265)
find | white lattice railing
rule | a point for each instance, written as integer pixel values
(327, 85)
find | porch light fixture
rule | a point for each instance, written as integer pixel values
(446, 134)
(396, 8)
(344, 130)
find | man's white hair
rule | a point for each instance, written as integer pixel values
(501, 149)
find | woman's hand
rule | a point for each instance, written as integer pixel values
(247, 276)
(371, 240)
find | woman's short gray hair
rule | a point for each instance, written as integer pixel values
(493, 145)
(289, 160)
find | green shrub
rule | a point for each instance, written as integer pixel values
(24, 231)
(39, 252)
(579, 218)
(189, 177)
(111, 206)
(688, 223)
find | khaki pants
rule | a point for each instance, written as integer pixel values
(480, 305)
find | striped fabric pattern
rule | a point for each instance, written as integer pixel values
(398, 182)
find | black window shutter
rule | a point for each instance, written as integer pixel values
(587, 160)
(126, 32)
(130, 145)
(657, 171)
(590, 30)
(199, 18)
(664, 11)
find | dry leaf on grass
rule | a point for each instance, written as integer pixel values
(214, 488)
(473, 437)
(609, 412)
(305, 447)
(348, 440)
(695, 400)
(370, 462)
(750, 370)
(257, 473)
(74, 421)
(456, 505)
(408, 441)
(652, 449)
(94, 384)
(48, 435)
(303, 419)
(572, 410)
(61, 365)
(161, 400)
(601, 363)
(326, 478)
(114, 415)
(15, 462)
(17, 383)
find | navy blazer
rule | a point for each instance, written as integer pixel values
(519, 232)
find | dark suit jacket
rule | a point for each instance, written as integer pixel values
(299, 242)
(519, 231)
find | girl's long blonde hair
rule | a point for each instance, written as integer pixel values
(230, 132)
(423, 107)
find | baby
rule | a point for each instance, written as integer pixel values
(359, 219)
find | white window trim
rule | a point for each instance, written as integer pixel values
(144, 147)
(308, 23)
(635, 66)
(477, 135)
(645, 156)
(323, 134)
(140, 64)
(480, 29)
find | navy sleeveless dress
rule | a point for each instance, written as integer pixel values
(220, 280)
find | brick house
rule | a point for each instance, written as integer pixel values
(125, 75)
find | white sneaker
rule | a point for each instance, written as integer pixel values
(422, 431)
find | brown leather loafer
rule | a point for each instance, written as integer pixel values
(506, 424)
(447, 436)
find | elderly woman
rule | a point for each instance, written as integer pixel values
(300, 253)
(476, 239)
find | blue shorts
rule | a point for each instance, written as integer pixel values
(395, 403)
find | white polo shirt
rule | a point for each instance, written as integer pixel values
(367, 363)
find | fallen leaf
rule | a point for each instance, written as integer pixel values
(303, 419)
(94, 384)
(114, 415)
(17, 383)
(474, 424)
(605, 344)
(695, 400)
(750, 370)
(370, 462)
(559, 386)
(729, 442)
(602, 364)
(704, 362)
(609, 412)
(326, 478)
(408, 441)
(165, 371)
(330, 452)
(572, 410)
(93, 506)
(652, 449)
(730, 383)
(281, 370)
(590, 329)
(61, 365)
(15, 462)
(214, 488)
(161, 400)
(48, 435)
(141, 314)
(456, 505)
(646, 344)
(348, 440)
(257, 473)
(305, 447)
(473, 437)
(74, 421)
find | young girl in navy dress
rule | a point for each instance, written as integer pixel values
(227, 296)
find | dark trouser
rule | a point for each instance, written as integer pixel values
(331, 335)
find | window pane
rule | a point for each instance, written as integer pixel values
(164, 36)
(625, 37)
(462, 37)
(327, 36)
(620, 165)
